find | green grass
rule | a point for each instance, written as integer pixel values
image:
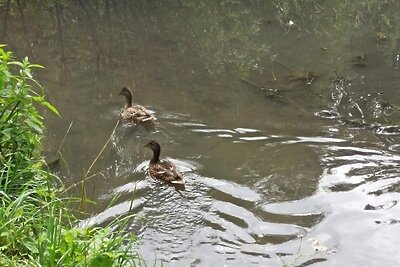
(37, 226)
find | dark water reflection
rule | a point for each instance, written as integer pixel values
(272, 155)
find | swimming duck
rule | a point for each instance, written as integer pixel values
(163, 170)
(135, 113)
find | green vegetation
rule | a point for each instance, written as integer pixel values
(37, 228)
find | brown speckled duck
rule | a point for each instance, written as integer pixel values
(163, 170)
(135, 113)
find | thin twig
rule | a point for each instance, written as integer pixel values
(65, 137)
(85, 176)
(101, 151)
(83, 193)
(133, 198)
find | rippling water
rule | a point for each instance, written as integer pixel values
(259, 201)
(271, 159)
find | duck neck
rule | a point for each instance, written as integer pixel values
(128, 99)
(156, 155)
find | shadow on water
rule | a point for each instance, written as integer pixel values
(283, 117)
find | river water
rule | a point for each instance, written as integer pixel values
(284, 120)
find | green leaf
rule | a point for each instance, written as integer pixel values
(36, 66)
(31, 245)
(101, 261)
(38, 99)
(51, 107)
(15, 63)
(34, 126)
(41, 101)
(5, 233)
(69, 237)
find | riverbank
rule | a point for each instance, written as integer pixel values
(37, 225)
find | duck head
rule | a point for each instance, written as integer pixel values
(128, 96)
(155, 146)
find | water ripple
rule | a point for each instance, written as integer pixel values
(232, 189)
(244, 216)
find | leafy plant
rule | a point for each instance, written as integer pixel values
(37, 227)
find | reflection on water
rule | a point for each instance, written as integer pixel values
(271, 158)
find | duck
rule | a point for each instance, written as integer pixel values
(163, 169)
(136, 114)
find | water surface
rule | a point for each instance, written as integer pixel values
(272, 156)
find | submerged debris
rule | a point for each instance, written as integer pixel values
(307, 76)
(359, 59)
(381, 36)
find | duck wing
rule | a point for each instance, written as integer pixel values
(166, 171)
(143, 114)
(137, 114)
(128, 113)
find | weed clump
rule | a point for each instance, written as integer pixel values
(37, 227)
